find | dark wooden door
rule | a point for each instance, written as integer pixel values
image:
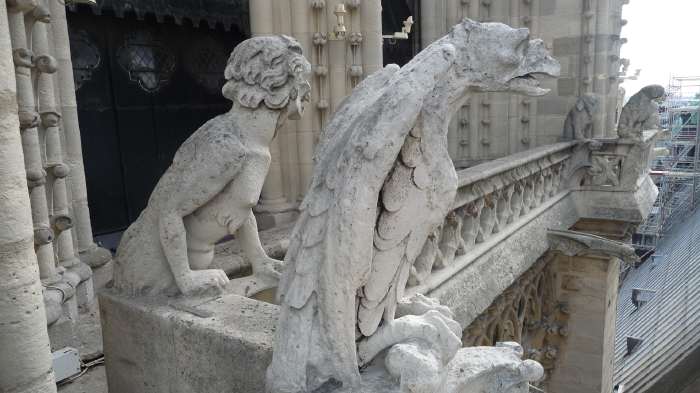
(142, 87)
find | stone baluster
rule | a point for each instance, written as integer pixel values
(72, 152)
(488, 218)
(29, 121)
(472, 221)
(25, 357)
(516, 201)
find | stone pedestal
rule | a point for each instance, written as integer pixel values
(170, 345)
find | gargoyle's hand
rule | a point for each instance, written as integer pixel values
(419, 304)
(197, 282)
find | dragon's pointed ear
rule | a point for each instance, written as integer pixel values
(468, 24)
(464, 28)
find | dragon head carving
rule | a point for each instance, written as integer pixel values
(493, 57)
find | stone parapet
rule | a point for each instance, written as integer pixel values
(171, 345)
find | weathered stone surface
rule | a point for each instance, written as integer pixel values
(214, 181)
(368, 214)
(160, 345)
(477, 278)
(640, 113)
(579, 121)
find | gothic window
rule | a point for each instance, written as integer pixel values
(146, 60)
(85, 56)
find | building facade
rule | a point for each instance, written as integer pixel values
(530, 252)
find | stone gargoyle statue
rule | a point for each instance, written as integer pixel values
(640, 113)
(215, 180)
(383, 181)
(579, 122)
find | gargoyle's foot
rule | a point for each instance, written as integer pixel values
(203, 282)
(419, 304)
(418, 369)
(266, 275)
(498, 369)
(95, 256)
(438, 332)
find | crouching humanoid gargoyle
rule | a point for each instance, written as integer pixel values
(215, 179)
(383, 181)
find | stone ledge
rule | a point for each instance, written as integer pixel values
(170, 345)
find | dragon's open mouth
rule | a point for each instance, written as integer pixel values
(529, 84)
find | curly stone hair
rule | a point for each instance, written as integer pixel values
(269, 69)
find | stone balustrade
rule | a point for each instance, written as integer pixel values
(494, 199)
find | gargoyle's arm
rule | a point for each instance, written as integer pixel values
(201, 177)
(250, 239)
(174, 241)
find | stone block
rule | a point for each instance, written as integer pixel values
(566, 46)
(627, 206)
(171, 345)
(85, 293)
(566, 87)
(62, 333)
(552, 106)
(102, 275)
(548, 7)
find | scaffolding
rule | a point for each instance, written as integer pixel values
(676, 171)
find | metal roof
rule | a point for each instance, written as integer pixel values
(668, 323)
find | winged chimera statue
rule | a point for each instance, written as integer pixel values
(383, 181)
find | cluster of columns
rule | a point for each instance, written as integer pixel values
(337, 67)
(40, 69)
(25, 359)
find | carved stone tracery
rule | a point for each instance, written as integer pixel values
(529, 313)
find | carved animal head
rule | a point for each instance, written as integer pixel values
(587, 102)
(498, 58)
(270, 70)
(653, 92)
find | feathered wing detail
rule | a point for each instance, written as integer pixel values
(407, 216)
(330, 252)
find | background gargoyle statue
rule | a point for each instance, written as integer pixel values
(640, 113)
(383, 181)
(579, 122)
(215, 179)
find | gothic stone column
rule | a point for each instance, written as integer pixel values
(88, 251)
(588, 269)
(274, 207)
(25, 358)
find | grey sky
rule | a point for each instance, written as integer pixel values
(663, 40)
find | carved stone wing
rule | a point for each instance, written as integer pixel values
(331, 247)
(408, 214)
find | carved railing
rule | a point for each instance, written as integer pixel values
(493, 198)
(498, 197)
